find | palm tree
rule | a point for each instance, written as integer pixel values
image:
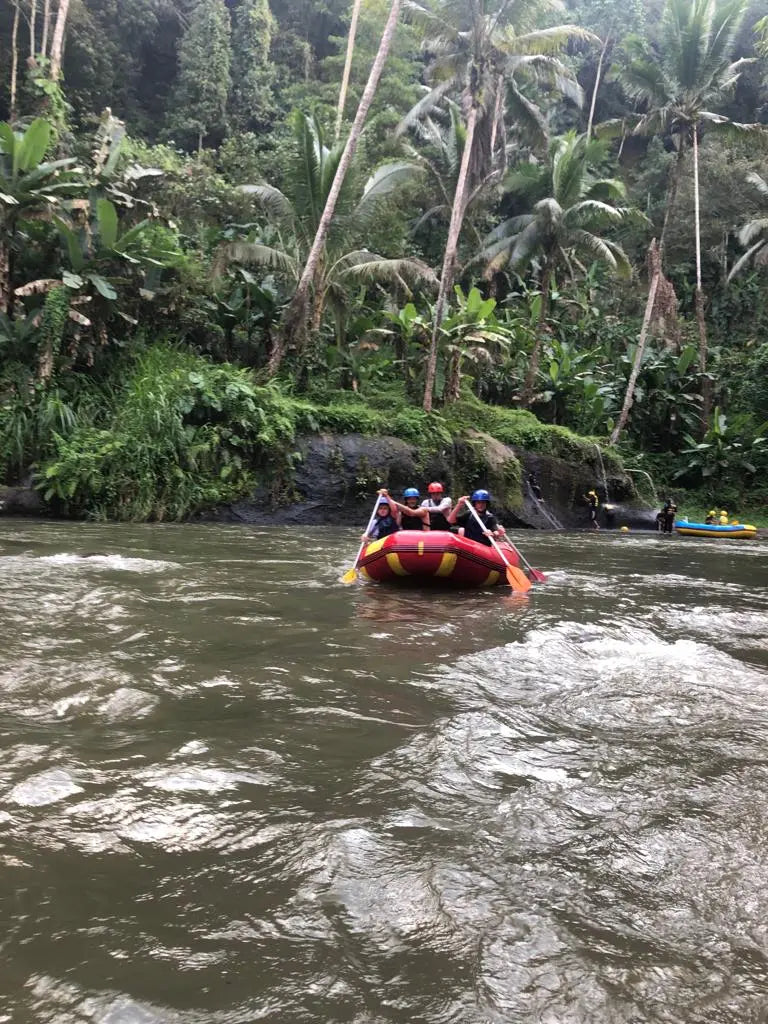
(295, 319)
(438, 147)
(757, 228)
(571, 210)
(678, 84)
(295, 214)
(481, 49)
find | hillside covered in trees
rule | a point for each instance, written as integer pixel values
(224, 222)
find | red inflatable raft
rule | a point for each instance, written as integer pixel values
(433, 557)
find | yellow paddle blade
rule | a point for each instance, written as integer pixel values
(349, 576)
(518, 580)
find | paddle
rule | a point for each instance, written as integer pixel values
(351, 574)
(515, 577)
(537, 575)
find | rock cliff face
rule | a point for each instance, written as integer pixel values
(20, 501)
(336, 478)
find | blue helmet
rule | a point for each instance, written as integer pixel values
(411, 492)
(480, 495)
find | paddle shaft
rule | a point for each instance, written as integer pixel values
(534, 572)
(537, 575)
(370, 524)
(482, 526)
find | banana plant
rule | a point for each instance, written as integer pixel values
(99, 258)
(31, 188)
(471, 333)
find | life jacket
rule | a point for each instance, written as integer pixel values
(670, 510)
(473, 530)
(593, 500)
(382, 527)
(437, 520)
(408, 522)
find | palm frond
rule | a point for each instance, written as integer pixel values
(643, 81)
(592, 215)
(735, 130)
(255, 254)
(387, 177)
(753, 229)
(607, 252)
(275, 204)
(568, 169)
(428, 102)
(527, 116)
(544, 40)
(747, 258)
(370, 268)
(760, 183)
(606, 188)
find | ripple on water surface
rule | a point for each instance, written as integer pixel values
(232, 792)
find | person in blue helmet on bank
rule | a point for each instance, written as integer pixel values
(412, 516)
(386, 519)
(469, 526)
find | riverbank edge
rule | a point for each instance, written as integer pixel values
(332, 477)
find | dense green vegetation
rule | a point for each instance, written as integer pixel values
(543, 221)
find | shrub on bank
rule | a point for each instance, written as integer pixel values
(176, 433)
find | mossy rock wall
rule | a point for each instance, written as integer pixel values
(336, 477)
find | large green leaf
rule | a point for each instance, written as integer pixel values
(106, 215)
(102, 286)
(72, 242)
(7, 139)
(33, 146)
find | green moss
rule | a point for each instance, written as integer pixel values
(521, 429)
(481, 461)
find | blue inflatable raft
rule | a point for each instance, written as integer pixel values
(738, 531)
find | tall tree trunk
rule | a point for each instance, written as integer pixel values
(654, 266)
(46, 28)
(674, 181)
(453, 383)
(32, 28)
(498, 111)
(295, 320)
(533, 363)
(449, 258)
(598, 76)
(706, 384)
(57, 43)
(347, 67)
(14, 60)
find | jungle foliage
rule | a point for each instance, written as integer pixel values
(165, 168)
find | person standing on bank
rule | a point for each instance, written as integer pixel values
(594, 503)
(412, 516)
(668, 515)
(438, 505)
(387, 519)
(469, 526)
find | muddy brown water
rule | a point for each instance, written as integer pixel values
(232, 790)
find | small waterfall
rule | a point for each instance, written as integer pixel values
(654, 492)
(602, 470)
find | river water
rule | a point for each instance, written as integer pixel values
(233, 790)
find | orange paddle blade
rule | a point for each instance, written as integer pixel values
(518, 580)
